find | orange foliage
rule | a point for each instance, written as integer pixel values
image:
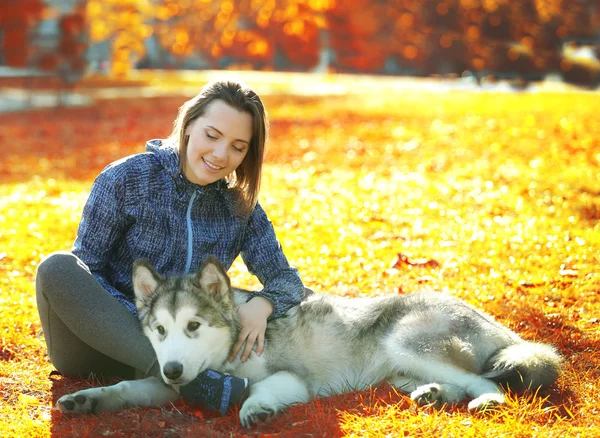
(16, 19)
(72, 44)
(124, 23)
(244, 30)
(366, 36)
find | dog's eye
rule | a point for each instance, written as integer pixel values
(160, 329)
(193, 326)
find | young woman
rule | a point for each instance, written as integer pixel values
(187, 197)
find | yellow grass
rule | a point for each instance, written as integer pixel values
(503, 190)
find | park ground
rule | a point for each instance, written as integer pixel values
(367, 180)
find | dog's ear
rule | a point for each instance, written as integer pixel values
(145, 279)
(214, 280)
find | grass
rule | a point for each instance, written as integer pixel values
(501, 190)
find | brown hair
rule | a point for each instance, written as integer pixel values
(246, 178)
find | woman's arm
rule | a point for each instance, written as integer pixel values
(102, 228)
(264, 258)
(282, 290)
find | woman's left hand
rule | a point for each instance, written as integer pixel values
(253, 321)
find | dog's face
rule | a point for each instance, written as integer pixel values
(189, 320)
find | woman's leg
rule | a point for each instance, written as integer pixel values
(86, 329)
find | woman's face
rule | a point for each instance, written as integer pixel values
(218, 143)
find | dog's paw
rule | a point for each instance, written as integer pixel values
(78, 403)
(486, 402)
(256, 412)
(428, 395)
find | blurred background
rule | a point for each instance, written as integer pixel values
(519, 41)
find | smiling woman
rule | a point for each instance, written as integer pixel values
(217, 143)
(213, 121)
(186, 198)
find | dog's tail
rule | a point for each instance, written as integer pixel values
(524, 365)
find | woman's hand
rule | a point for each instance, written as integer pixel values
(253, 321)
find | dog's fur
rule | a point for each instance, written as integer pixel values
(431, 345)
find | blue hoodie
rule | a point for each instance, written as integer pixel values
(143, 207)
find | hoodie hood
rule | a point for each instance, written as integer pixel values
(167, 155)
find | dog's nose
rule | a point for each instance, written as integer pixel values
(173, 370)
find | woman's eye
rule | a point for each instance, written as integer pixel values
(211, 136)
(239, 149)
(193, 326)
(160, 329)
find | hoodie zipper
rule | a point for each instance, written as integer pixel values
(190, 231)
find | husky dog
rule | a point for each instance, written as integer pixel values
(435, 347)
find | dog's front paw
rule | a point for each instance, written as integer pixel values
(428, 395)
(81, 402)
(256, 412)
(486, 402)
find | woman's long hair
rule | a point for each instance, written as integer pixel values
(245, 180)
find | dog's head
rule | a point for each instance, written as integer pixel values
(188, 319)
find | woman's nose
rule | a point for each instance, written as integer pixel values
(220, 150)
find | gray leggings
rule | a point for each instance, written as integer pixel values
(86, 329)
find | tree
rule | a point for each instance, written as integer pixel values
(243, 32)
(124, 23)
(72, 46)
(17, 18)
(418, 36)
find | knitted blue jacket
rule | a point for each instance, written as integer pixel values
(143, 207)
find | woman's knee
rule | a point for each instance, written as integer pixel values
(55, 267)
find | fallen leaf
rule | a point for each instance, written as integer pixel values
(527, 284)
(404, 260)
(566, 272)
(28, 400)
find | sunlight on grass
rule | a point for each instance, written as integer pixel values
(500, 190)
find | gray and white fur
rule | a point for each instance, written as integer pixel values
(433, 346)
